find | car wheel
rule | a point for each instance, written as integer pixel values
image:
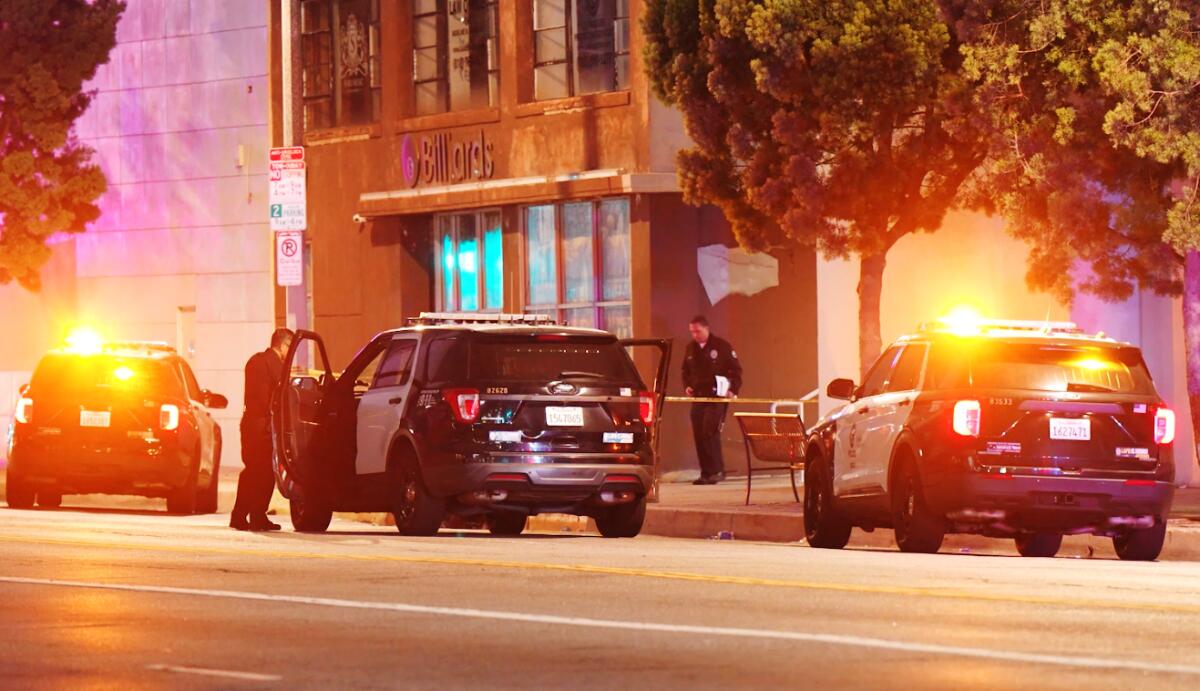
(824, 528)
(917, 528)
(417, 512)
(18, 493)
(49, 499)
(506, 523)
(1141, 545)
(624, 520)
(1039, 544)
(309, 516)
(182, 501)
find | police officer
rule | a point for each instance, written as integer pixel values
(707, 358)
(256, 484)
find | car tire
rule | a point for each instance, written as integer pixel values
(182, 501)
(917, 529)
(624, 520)
(308, 516)
(19, 494)
(1141, 545)
(417, 512)
(824, 528)
(1039, 544)
(49, 499)
(506, 523)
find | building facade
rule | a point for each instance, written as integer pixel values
(181, 252)
(508, 155)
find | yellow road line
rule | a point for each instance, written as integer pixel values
(939, 593)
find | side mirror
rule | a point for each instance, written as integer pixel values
(214, 400)
(841, 389)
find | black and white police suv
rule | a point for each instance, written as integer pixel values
(494, 416)
(115, 418)
(1005, 429)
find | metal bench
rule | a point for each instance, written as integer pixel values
(776, 440)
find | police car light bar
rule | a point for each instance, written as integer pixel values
(1013, 325)
(153, 346)
(481, 318)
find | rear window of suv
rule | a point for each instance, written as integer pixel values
(526, 359)
(73, 375)
(1039, 367)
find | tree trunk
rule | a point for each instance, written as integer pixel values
(1191, 344)
(870, 288)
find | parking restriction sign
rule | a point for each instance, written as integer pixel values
(287, 187)
(289, 258)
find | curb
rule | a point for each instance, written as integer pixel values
(1183, 535)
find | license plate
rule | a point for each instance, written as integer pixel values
(564, 417)
(1068, 429)
(94, 418)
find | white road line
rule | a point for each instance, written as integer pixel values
(584, 622)
(223, 673)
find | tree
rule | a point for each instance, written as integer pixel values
(836, 125)
(1096, 149)
(48, 183)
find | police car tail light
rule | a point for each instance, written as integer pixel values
(1164, 426)
(464, 403)
(966, 418)
(646, 407)
(168, 417)
(24, 412)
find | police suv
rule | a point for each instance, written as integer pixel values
(493, 416)
(115, 418)
(1006, 429)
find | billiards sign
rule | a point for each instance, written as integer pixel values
(444, 159)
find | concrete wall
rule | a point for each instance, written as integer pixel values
(182, 252)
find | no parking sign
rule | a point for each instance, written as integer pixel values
(289, 258)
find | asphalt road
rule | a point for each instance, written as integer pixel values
(106, 599)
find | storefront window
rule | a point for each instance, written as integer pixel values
(543, 255)
(591, 243)
(340, 77)
(456, 64)
(580, 47)
(467, 281)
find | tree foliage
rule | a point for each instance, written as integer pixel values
(48, 182)
(834, 124)
(1096, 145)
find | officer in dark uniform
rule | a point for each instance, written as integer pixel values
(256, 484)
(707, 358)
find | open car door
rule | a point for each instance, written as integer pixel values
(298, 414)
(653, 355)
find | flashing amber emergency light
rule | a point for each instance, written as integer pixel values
(123, 373)
(84, 341)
